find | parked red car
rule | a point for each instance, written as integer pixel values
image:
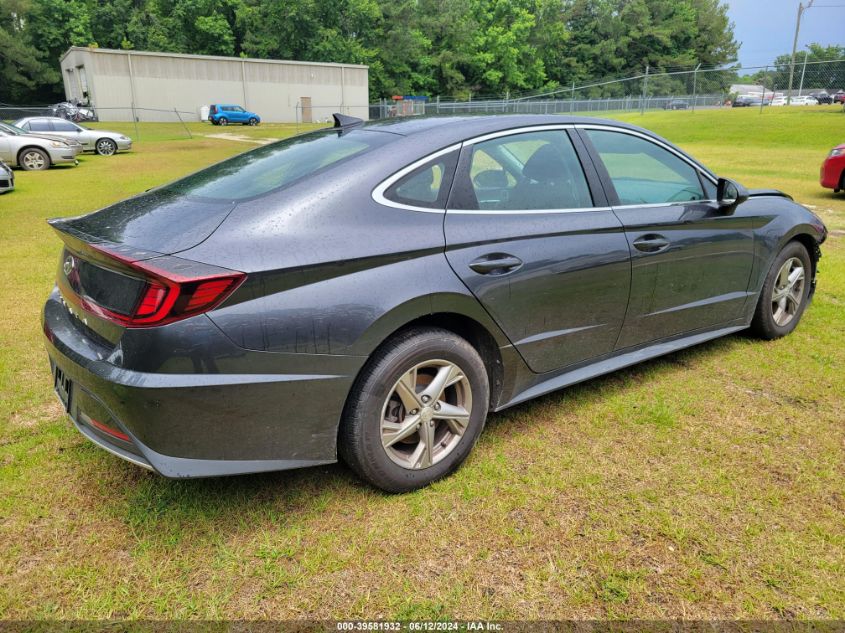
(833, 169)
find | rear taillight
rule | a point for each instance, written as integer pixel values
(173, 289)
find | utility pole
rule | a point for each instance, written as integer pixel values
(803, 70)
(695, 86)
(801, 9)
(645, 91)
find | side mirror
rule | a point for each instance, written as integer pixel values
(729, 195)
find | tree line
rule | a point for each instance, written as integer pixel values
(425, 47)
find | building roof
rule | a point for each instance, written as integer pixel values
(134, 53)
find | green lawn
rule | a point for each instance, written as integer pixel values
(707, 484)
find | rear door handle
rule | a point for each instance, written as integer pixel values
(495, 264)
(651, 243)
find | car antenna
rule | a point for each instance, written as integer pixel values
(343, 122)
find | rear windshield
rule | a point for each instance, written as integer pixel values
(274, 166)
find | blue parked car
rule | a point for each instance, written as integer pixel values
(220, 114)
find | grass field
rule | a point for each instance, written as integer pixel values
(707, 484)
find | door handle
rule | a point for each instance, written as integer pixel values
(651, 243)
(495, 264)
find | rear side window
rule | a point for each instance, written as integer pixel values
(428, 185)
(643, 172)
(275, 166)
(64, 126)
(40, 125)
(524, 172)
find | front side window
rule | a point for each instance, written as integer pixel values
(643, 172)
(526, 171)
(427, 186)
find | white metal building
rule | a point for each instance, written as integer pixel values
(149, 86)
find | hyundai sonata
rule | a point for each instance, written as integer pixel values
(372, 291)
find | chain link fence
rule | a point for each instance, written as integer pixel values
(686, 89)
(682, 89)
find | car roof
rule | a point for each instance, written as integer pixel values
(419, 136)
(462, 127)
(42, 118)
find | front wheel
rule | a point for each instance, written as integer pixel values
(785, 293)
(106, 147)
(416, 410)
(253, 121)
(33, 159)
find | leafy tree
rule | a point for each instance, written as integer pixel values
(446, 47)
(24, 68)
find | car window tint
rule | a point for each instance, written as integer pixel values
(529, 171)
(428, 185)
(274, 166)
(643, 172)
(40, 125)
(64, 126)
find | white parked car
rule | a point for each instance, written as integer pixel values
(33, 153)
(7, 178)
(100, 141)
(75, 145)
(805, 100)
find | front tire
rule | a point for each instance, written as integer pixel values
(106, 147)
(785, 293)
(33, 159)
(253, 121)
(416, 410)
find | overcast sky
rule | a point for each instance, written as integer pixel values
(766, 27)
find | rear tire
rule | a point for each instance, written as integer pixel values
(223, 121)
(399, 439)
(33, 159)
(785, 293)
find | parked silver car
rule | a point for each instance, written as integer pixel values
(33, 153)
(11, 129)
(100, 141)
(7, 178)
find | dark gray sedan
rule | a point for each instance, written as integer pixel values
(372, 291)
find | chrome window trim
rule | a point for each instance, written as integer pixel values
(661, 204)
(519, 130)
(527, 211)
(612, 128)
(379, 191)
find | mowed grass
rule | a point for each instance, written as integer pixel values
(706, 484)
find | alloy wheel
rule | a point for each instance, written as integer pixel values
(788, 291)
(105, 147)
(34, 161)
(426, 414)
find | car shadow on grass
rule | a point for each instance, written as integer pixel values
(153, 506)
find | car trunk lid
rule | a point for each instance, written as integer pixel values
(111, 285)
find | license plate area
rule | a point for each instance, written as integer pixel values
(63, 386)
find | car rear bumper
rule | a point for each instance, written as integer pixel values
(208, 422)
